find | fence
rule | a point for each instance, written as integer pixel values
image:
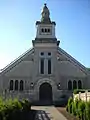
(83, 96)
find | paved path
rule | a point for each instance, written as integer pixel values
(50, 111)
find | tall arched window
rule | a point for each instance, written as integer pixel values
(42, 66)
(74, 84)
(48, 30)
(42, 30)
(21, 85)
(11, 85)
(45, 30)
(49, 66)
(79, 84)
(70, 85)
(16, 84)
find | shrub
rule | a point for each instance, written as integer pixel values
(26, 105)
(70, 101)
(67, 108)
(81, 109)
(75, 91)
(74, 108)
(17, 105)
(12, 109)
(88, 110)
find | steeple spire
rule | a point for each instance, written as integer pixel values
(45, 15)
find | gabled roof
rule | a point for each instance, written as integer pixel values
(16, 61)
(74, 61)
(21, 57)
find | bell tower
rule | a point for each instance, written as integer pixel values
(45, 45)
(45, 28)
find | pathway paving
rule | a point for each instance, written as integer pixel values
(50, 111)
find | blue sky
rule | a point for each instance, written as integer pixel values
(17, 27)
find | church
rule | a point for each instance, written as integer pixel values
(46, 72)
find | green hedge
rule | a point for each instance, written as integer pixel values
(79, 108)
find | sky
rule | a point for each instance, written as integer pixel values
(17, 27)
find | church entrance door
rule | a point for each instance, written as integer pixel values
(45, 93)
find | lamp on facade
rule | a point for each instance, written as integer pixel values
(58, 58)
(58, 85)
(31, 85)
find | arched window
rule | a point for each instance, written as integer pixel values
(74, 84)
(49, 66)
(42, 66)
(21, 85)
(70, 85)
(45, 30)
(79, 84)
(11, 85)
(42, 30)
(48, 30)
(16, 84)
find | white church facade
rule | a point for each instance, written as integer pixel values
(45, 72)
